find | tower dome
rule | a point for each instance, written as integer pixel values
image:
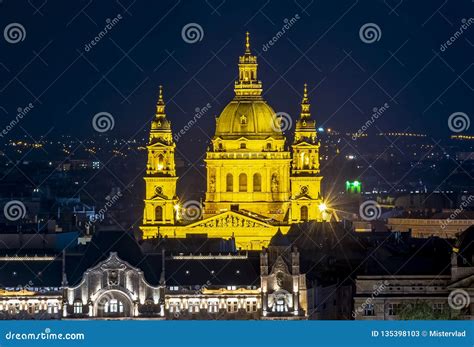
(248, 115)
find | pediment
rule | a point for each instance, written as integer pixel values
(280, 266)
(113, 262)
(303, 197)
(158, 145)
(229, 219)
(305, 144)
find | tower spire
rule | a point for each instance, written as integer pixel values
(305, 105)
(248, 86)
(160, 105)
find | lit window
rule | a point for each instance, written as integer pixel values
(242, 182)
(77, 307)
(304, 213)
(229, 183)
(113, 306)
(52, 308)
(213, 307)
(193, 307)
(175, 307)
(257, 182)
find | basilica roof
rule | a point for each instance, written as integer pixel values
(246, 118)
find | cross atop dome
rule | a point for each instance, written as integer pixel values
(247, 43)
(305, 105)
(160, 105)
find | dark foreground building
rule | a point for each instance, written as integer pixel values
(315, 271)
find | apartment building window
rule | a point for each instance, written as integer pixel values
(438, 308)
(393, 309)
(369, 310)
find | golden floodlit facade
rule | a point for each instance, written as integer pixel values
(256, 185)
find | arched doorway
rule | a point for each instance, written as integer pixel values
(113, 304)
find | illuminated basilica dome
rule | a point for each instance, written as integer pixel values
(248, 115)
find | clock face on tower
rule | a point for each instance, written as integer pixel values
(159, 190)
(304, 190)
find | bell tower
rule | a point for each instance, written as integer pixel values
(160, 179)
(306, 203)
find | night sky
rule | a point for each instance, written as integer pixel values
(347, 78)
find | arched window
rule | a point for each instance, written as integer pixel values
(269, 146)
(242, 182)
(158, 213)
(257, 182)
(304, 213)
(229, 183)
(160, 164)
